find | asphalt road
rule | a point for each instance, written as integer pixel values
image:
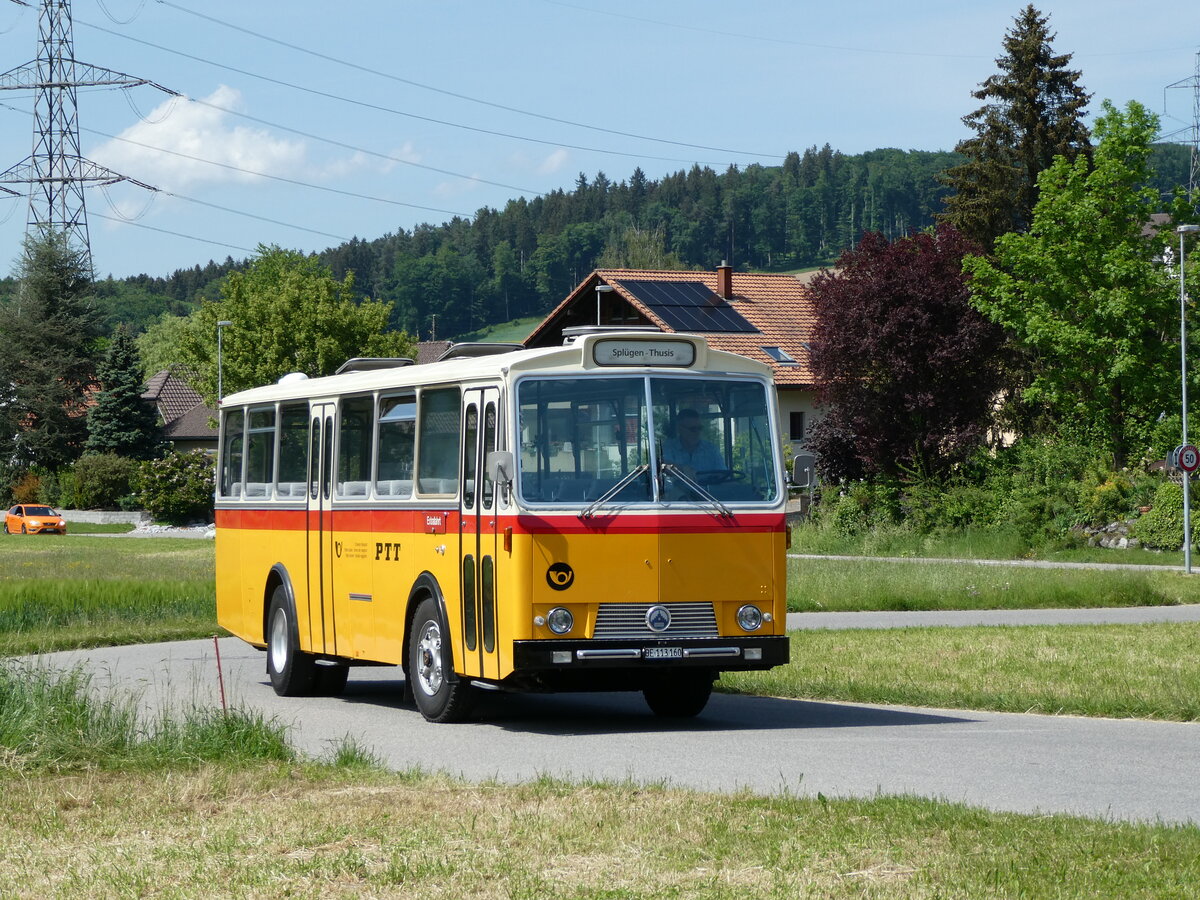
(1118, 769)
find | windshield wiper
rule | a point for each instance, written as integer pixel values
(590, 509)
(673, 470)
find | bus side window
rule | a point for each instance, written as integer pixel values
(293, 456)
(314, 459)
(440, 418)
(354, 447)
(489, 444)
(232, 447)
(397, 440)
(260, 452)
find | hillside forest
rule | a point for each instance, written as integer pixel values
(450, 279)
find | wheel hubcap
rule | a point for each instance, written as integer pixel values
(279, 647)
(429, 659)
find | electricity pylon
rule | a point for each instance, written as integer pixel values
(1192, 131)
(55, 172)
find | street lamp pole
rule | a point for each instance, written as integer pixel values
(1187, 511)
(220, 325)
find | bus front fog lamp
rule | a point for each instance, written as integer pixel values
(560, 620)
(750, 617)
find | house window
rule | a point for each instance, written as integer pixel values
(780, 355)
(796, 426)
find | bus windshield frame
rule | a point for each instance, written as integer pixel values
(696, 439)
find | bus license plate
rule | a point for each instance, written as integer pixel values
(663, 653)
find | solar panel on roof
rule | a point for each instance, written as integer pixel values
(688, 306)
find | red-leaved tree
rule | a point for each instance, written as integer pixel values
(905, 366)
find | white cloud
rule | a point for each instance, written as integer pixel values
(169, 147)
(555, 162)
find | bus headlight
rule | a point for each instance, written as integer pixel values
(560, 620)
(750, 617)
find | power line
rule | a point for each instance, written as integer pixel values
(244, 171)
(458, 96)
(190, 237)
(386, 109)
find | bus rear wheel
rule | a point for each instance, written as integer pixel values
(439, 695)
(681, 694)
(293, 672)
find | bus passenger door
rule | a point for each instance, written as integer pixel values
(320, 636)
(479, 645)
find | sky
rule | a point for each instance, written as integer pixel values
(305, 124)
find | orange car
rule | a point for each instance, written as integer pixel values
(31, 519)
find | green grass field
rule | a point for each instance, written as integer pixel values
(823, 585)
(1123, 671)
(61, 593)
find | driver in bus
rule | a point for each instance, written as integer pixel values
(688, 450)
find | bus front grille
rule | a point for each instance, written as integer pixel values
(625, 621)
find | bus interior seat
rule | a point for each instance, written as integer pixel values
(353, 488)
(256, 489)
(291, 488)
(394, 487)
(438, 485)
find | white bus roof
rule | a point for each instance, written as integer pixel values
(581, 355)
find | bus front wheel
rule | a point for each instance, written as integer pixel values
(679, 694)
(293, 672)
(440, 697)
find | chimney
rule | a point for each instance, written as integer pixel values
(725, 280)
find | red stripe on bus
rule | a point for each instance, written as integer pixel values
(655, 523)
(446, 521)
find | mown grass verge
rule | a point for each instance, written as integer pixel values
(83, 592)
(279, 830)
(827, 585)
(964, 543)
(1123, 671)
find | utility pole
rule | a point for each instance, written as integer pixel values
(55, 173)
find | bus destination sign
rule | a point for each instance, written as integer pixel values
(644, 353)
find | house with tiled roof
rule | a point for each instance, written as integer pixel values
(185, 421)
(765, 317)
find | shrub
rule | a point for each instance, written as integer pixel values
(178, 488)
(102, 479)
(26, 489)
(1162, 527)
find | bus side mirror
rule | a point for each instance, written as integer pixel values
(499, 465)
(803, 470)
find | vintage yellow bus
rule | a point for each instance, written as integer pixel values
(604, 515)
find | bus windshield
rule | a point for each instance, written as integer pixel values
(673, 439)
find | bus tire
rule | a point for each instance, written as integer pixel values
(680, 694)
(439, 696)
(292, 672)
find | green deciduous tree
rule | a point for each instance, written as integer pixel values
(1033, 112)
(1082, 293)
(121, 422)
(288, 314)
(48, 334)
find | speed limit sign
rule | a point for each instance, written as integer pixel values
(1189, 458)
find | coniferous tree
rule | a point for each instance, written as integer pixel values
(121, 422)
(1033, 111)
(47, 354)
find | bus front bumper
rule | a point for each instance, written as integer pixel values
(723, 654)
